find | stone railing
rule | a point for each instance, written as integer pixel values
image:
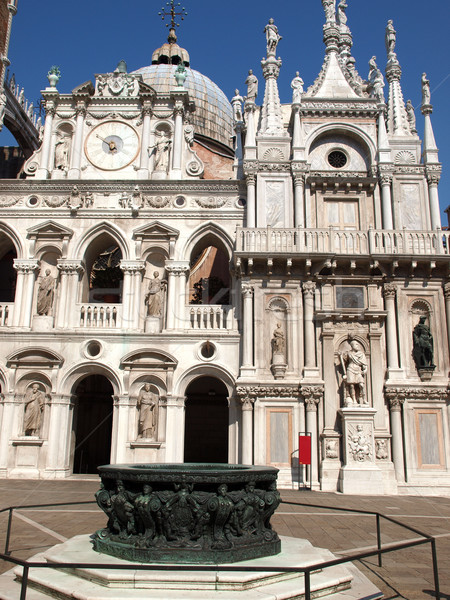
(100, 316)
(6, 313)
(210, 316)
(338, 241)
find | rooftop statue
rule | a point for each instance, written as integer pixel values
(271, 31)
(252, 86)
(236, 103)
(411, 116)
(330, 10)
(297, 87)
(390, 39)
(426, 93)
(341, 16)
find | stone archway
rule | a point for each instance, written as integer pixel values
(92, 424)
(206, 421)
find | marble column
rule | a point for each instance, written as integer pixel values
(143, 171)
(176, 294)
(309, 288)
(50, 111)
(386, 200)
(239, 152)
(59, 408)
(175, 429)
(24, 304)
(433, 177)
(6, 433)
(312, 395)
(177, 138)
(74, 171)
(396, 402)
(123, 407)
(390, 292)
(299, 192)
(68, 315)
(247, 326)
(247, 430)
(170, 319)
(131, 292)
(447, 309)
(251, 199)
(250, 138)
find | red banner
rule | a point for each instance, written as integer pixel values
(304, 449)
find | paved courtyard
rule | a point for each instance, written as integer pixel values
(405, 574)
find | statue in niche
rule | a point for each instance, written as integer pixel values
(278, 341)
(272, 37)
(297, 87)
(360, 445)
(354, 365)
(426, 93)
(62, 147)
(46, 294)
(147, 404)
(236, 103)
(330, 10)
(390, 38)
(252, 87)
(423, 345)
(34, 407)
(155, 296)
(411, 115)
(162, 151)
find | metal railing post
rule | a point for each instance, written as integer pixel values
(23, 589)
(380, 559)
(8, 532)
(307, 585)
(435, 570)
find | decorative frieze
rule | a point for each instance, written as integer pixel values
(267, 391)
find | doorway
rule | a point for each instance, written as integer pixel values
(92, 424)
(206, 421)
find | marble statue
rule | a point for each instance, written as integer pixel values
(162, 151)
(34, 407)
(378, 85)
(180, 75)
(236, 103)
(252, 86)
(354, 364)
(330, 10)
(411, 115)
(2, 107)
(46, 293)
(426, 93)
(390, 38)
(21, 97)
(278, 341)
(381, 450)
(297, 87)
(147, 404)
(62, 147)
(423, 346)
(155, 296)
(272, 37)
(373, 67)
(341, 16)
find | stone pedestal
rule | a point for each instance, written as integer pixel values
(26, 461)
(42, 323)
(278, 366)
(152, 325)
(360, 474)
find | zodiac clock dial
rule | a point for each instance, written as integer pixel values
(112, 145)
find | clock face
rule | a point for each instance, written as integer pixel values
(112, 145)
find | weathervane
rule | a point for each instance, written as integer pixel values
(172, 14)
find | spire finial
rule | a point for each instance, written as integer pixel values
(172, 13)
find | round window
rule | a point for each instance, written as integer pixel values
(33, 201)
(93, 349)
(207, 350)
(337, 159)
(180, 201)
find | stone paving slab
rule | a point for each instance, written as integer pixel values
(405, 574)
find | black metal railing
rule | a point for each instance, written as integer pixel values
(307, 571)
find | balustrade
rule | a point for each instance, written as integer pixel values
(101, 316)
(210, 316)
(6, 311)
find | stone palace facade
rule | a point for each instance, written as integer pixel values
(189, 279)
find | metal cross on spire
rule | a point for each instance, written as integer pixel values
(172, 13)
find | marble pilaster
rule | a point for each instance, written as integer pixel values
(247, 430)
(396, 400)
(70, 270)
(23, 304)
(74, 171)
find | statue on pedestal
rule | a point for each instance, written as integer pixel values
(390, 38)
(411, 116)
(354, 365)
(34, 407)
(252, 87)
(423, 345)
(46, 293)
(147, 404)
(330, 10)
(161, 148)
(155, 296)
(62, 147)
(236, 103)
(278, 341)
(341, 16)
(297, 87)
(426, 93)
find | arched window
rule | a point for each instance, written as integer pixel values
(209, 280)
(103, 276)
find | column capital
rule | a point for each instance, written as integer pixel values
(177, 267)
(396, 398)
(309, 288)
(389, 290)
(70, 266)
(433, 174)
(81, 108)
(312, 395)
(50, 108)
(132, 266)
(250, 178)
(385, 177)
(447, 290)
(26, 266)
(247, 289)
(147, 109)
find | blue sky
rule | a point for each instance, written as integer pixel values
(226, 39)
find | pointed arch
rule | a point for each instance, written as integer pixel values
(15, 238)
(212, 230)
(97, 230)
